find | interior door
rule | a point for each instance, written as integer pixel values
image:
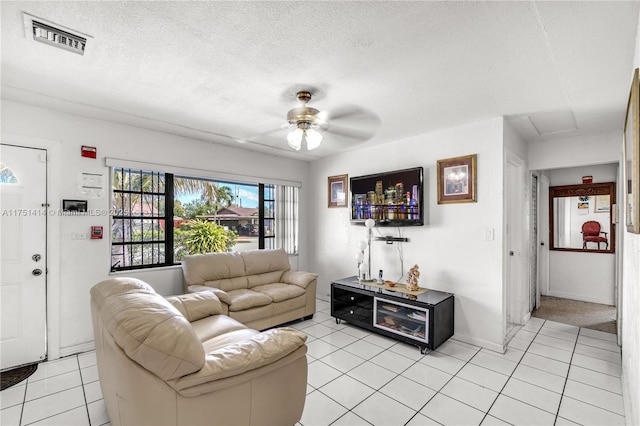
(516, 271)
(533, 248)
(23, 228)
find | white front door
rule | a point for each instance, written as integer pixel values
(23, 231)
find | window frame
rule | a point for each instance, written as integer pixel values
(169, 198)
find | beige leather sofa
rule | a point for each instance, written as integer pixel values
(257, 287)
(177, 361)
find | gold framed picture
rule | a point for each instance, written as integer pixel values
(632, 158)
(457, 180)
(337, 191)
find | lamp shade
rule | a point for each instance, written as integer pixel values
(369, 223)
(298, 135)
(313, 138)
(294, 139)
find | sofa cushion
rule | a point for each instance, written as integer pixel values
(228, 338)
(222, 295)
(279, 292)
(195, 306)
(261, 349)
(261, 261)
(228, 283)
(216, 325)
(264, 278)
(244, 299)
(200, 268)
(149, 329)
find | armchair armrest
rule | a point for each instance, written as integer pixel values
(195, 306)
(299, 278)
(222, 295)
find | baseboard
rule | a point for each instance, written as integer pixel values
(76, 349)
(496, 347)
(580, 298)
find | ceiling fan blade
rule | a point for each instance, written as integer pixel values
(260, 135)
(358, 134)
(351, 112)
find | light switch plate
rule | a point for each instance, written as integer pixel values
(488, 234)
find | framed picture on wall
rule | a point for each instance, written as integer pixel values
(602, 204)
(457, 180)
(632, 158)
(337, 191)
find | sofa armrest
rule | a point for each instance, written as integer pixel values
(195, 306)
(299, 278)
(237, 358)
(222, 295)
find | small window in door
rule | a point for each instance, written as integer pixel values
(6, 175)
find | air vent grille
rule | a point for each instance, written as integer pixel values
(43, 31)
(57, 37)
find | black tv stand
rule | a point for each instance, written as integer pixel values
(425, 320)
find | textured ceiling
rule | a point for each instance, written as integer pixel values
(227, 72)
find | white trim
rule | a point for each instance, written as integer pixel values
(492, 346)
(581, 298)
(197, 173)
(54, 173)
(77, 349)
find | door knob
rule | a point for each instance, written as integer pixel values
(37, 272)
(511, 253)
(36, 257)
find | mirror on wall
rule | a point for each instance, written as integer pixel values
(581, 217)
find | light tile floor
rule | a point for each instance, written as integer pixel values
(552, 373)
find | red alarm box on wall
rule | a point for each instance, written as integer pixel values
(96, 232)
(88, 151)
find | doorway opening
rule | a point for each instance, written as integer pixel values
(595, 316)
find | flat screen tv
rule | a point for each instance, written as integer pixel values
(390, 198)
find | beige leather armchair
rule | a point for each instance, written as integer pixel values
(177, 361)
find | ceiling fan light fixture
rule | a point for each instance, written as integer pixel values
(294, 139)
(313, 137)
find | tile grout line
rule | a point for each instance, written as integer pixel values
(443, 386)
(511, 375)
(349, 410)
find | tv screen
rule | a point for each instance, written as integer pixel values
(390, 198)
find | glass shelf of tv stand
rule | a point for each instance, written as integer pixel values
(405, 320)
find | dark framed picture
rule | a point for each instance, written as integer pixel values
(337, 191)
(457, 180)
(632, 158)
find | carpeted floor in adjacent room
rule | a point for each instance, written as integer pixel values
(582, 314)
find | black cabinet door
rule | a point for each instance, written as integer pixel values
(352, 307)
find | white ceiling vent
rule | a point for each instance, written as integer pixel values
(56, 35)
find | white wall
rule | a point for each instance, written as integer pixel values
(450, 248)
(82, 263)
(601, 148)
(589, 277)
(630, 302)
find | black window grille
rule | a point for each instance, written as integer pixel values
(142, 226)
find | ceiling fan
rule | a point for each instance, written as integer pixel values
(304, 122)
(308, 124)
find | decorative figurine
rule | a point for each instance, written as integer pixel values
(412, 279)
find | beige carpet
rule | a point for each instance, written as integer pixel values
(574, 312)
